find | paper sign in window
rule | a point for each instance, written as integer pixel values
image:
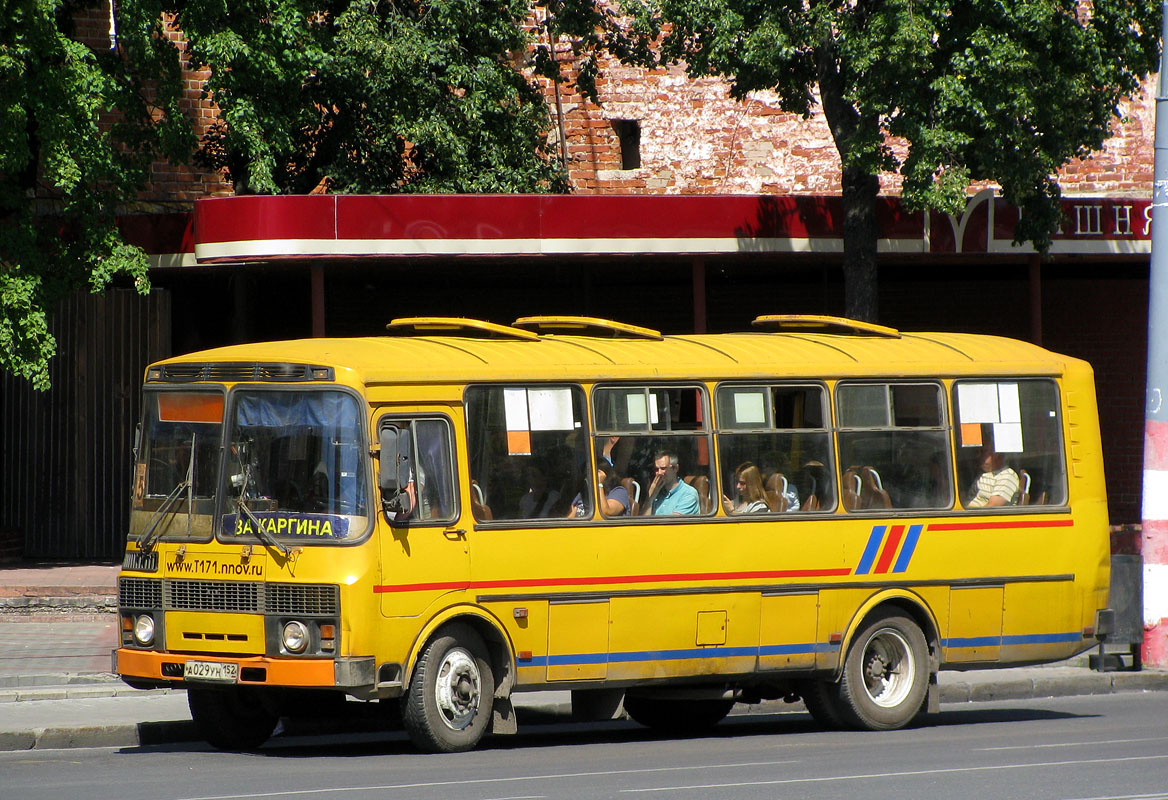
(1009, 409)
(1008, 437)
(635, 407)
(515, 409)
(550, 409)
(978, 402)
(654, 417)
(518, 426)
(749, 408)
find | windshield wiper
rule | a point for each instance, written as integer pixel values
(153, 530)
(261, 534)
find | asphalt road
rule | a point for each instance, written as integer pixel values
(1071, 748)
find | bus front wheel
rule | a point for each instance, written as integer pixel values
(235, 718)
(448, 706)
(886, 674)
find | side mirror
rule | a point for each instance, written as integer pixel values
(396, 470)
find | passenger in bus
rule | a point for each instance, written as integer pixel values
(997, 485)
(749, 495)
(614, 497)
(668, 493)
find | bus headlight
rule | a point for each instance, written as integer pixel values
(295, 636)
(144, 630)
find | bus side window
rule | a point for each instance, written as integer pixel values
(635, 426)
(781, 431)
(423, 472)
(1012, 428)
(529, 452)
(893, 437)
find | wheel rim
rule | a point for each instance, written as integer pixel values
(457, 689)
(889, 668)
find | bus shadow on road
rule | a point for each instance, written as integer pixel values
(343, 742)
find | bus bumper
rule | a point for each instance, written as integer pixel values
(149, 669)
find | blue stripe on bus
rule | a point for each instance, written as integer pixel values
(1027, 638)
(871, 550)
(906, 549)
(800, 648)
(577, 659)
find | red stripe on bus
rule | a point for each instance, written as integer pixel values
(537, 582)
(889, 551)
(975, 526)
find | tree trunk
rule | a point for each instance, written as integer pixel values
(861, 232)
(860, 186)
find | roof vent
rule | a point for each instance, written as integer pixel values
(586, 326)
(808, 323)
(457, 326)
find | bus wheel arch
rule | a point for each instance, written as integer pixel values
(907, 603)
(495, 639)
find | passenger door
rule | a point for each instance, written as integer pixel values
(423, 539)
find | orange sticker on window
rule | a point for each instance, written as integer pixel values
(190, 407)
(519, 443)
(970, 434)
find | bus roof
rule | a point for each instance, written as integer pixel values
(464, 355)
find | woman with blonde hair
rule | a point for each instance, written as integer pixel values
(750, 497)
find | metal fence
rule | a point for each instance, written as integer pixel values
(65, 453)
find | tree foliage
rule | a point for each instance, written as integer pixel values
(1006, 91)
(415, 96)
(363, 96)
(67, 162)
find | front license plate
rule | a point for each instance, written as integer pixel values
(211, 671)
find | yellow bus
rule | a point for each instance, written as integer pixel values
(457, 511)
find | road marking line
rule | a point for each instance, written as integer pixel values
(431, 784)
(906, 774)
(1071, 744)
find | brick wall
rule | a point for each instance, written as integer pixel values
(169, 185)
(694, 139)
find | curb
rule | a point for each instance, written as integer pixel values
(144, 734)
(1038, 687)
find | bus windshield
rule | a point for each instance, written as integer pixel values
(295, 466)
(176, 471)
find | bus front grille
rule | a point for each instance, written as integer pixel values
(243, 372)
(140, 593)
(248, 597)
(212, 596)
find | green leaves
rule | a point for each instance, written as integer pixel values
(371, 96)
(68, 162)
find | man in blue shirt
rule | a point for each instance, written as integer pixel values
(668, 494)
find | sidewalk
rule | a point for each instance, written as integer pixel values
(56, 690)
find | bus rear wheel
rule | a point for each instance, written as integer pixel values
(235, 718)
(886, 674)
(451, 695)
(673, 716)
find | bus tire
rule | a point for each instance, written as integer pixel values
(822, 702)
(235, 718)
(678, 717)
(886, 674)
(451, 695)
